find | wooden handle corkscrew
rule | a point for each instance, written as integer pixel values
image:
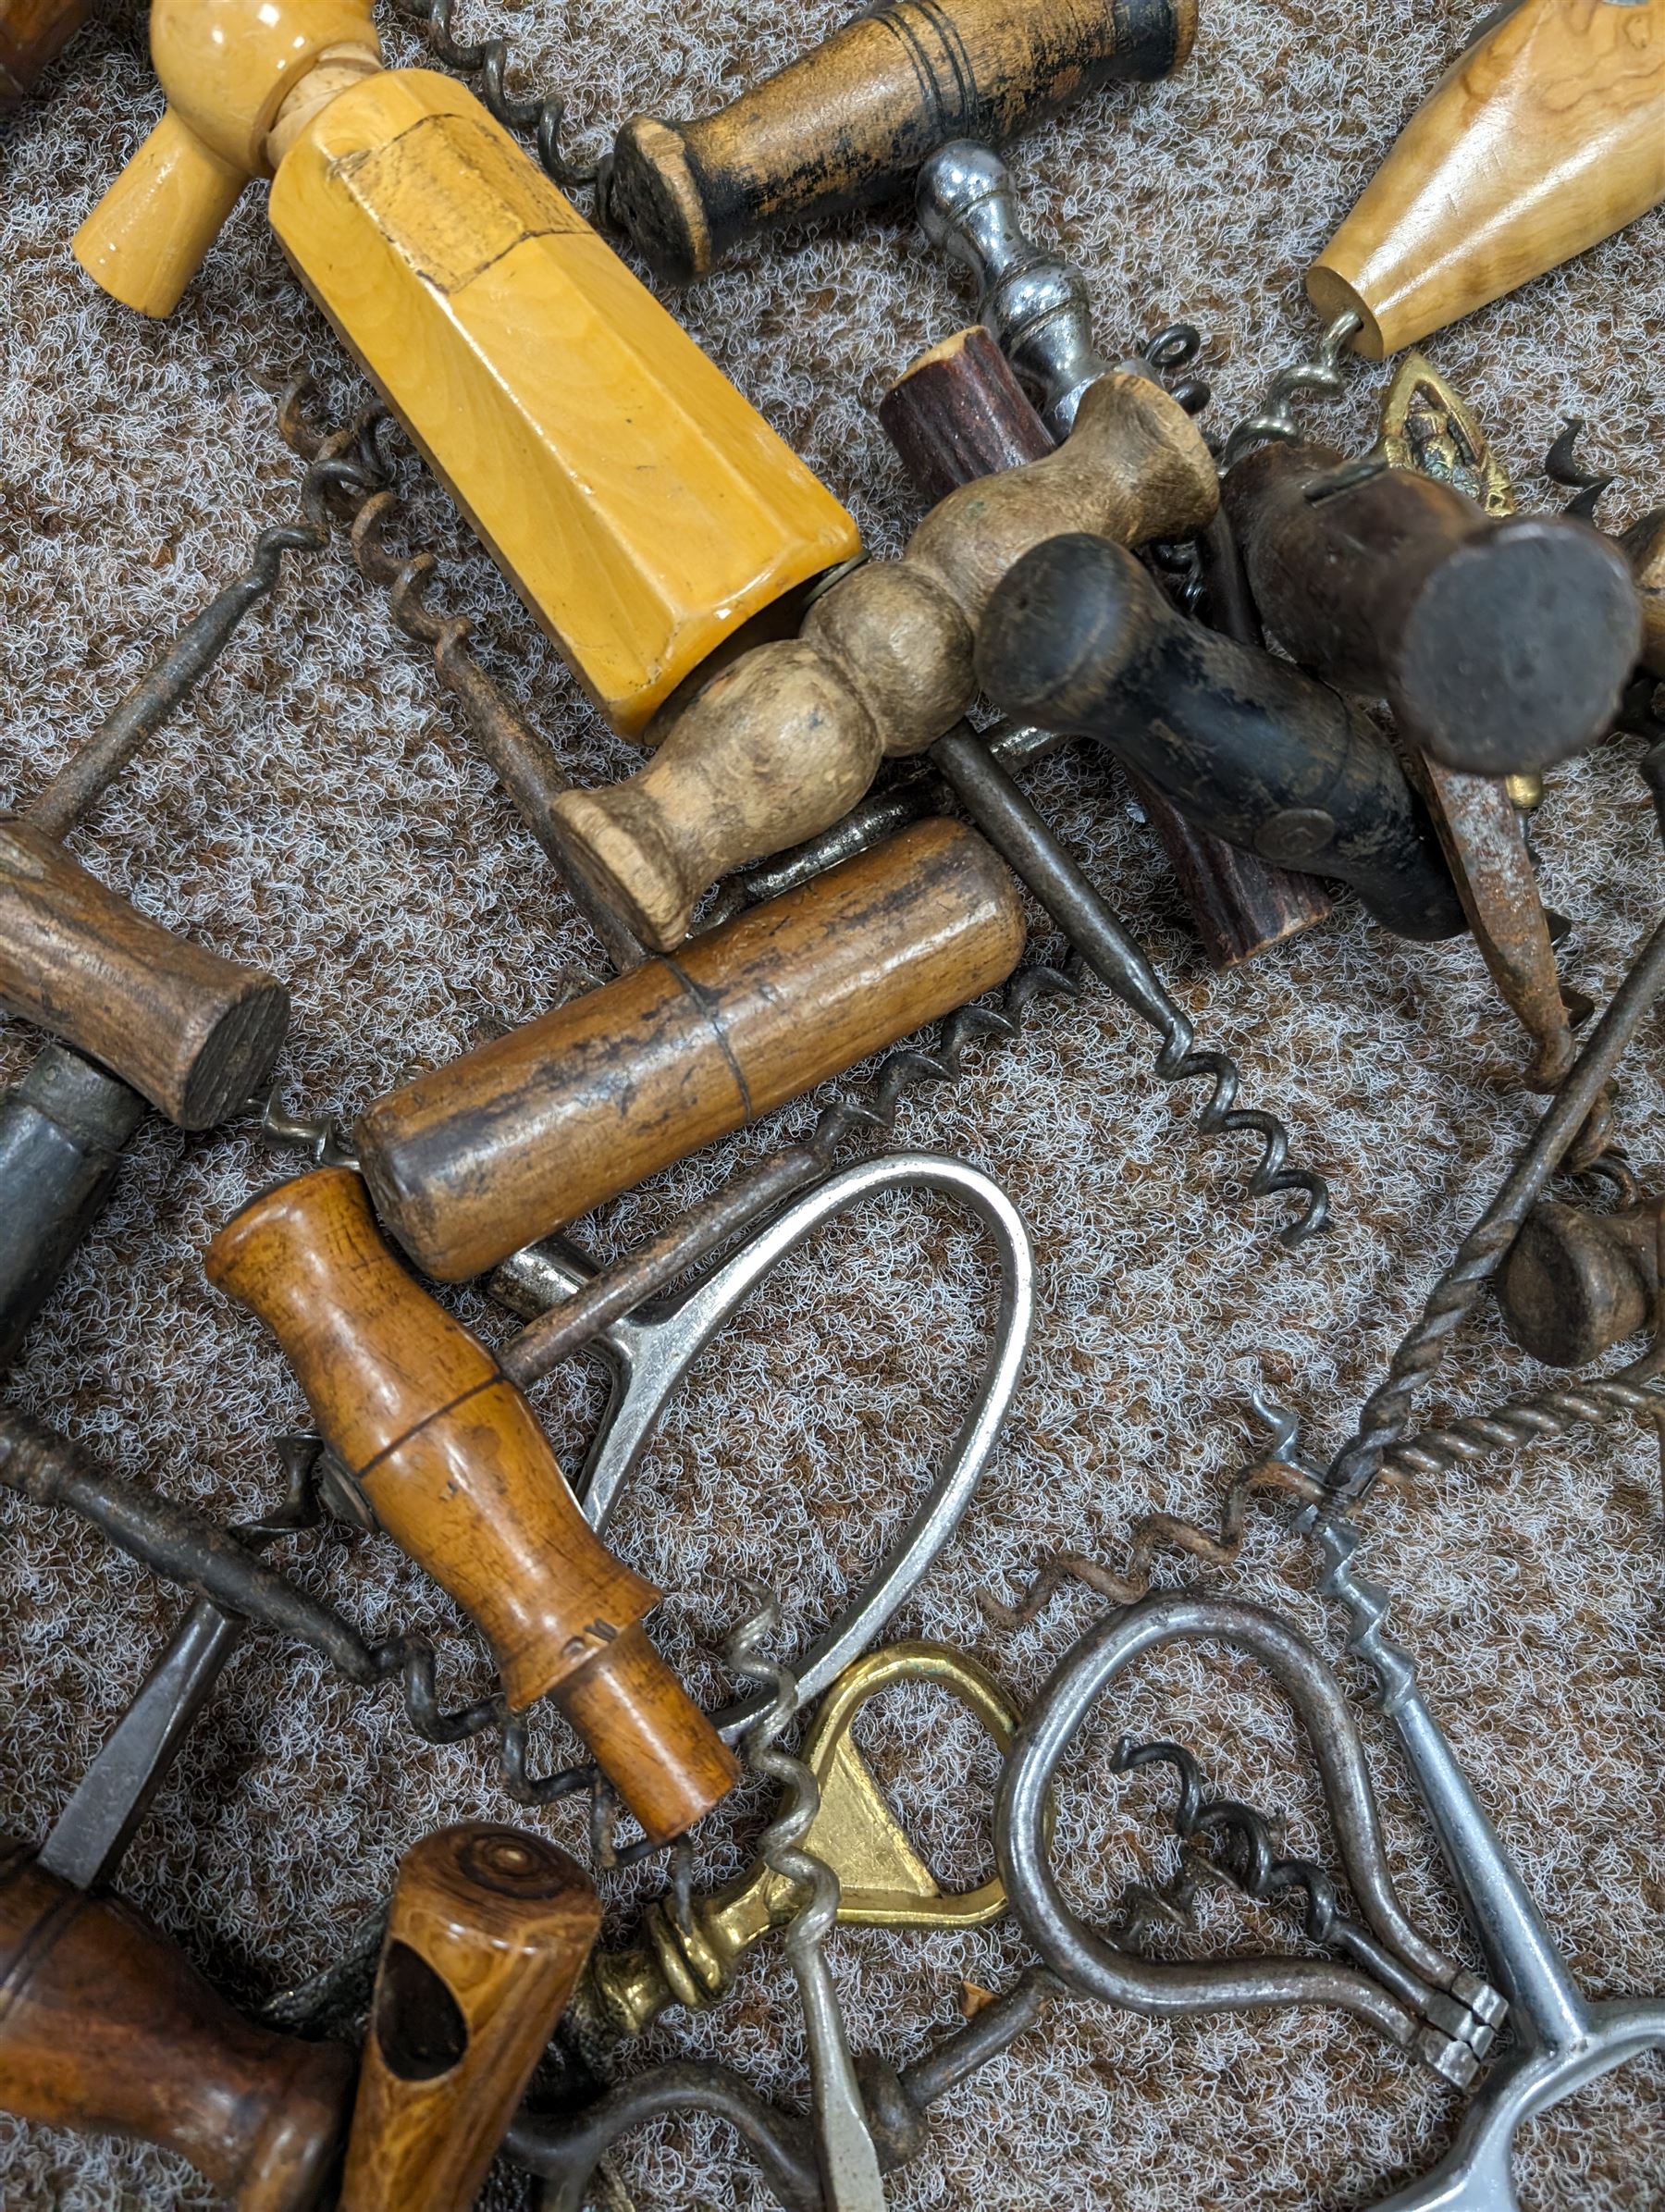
(1543, 137)
(104, 2025)
(1078, 637)
(460, 1475)
(851, 121)
(482, 1158)
(489, 1929)
(788, 739)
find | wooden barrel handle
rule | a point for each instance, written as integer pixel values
(1544, 137)
(460, 1475)
(489, 1929)
(1501, 645)
(195, 1034)
(32, 33)
(851, 121)
(1643, 547)
(787, 740)
(1575, 1284)
(481, 1157)
(104, 2025)
(1078, 637)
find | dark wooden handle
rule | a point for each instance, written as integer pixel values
(62, 1128)
(851, 121)
(1643, 547)
(489, 1929)
(460, 1475)
(194, 1033)
(31, 32)
(105, 2026)
(478, 1159)
(1575, 1284)
(1078, 637)
(1501, 646)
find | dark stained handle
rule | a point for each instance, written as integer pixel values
(1078, 637)
(31, 33)
(1501, 646)
(1575, 1284)
(1642, 546)
(105, 2026)
(851, 121)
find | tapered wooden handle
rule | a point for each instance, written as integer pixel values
(470, 1163)
(1575, 1284)
(1546, 136)
(488, 1930)
(1643, 547)
(104, 2025)
(1501, 645)
(1078, 637)
(789, 737)
(460, 1475)
(195, 1034)
(851, 121)
(31, 33)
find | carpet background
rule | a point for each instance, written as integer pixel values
(316, 810)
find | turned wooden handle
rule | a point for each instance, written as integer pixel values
(194, 1033)
(1501, 645)
(488, 1930)
(1575, 1284)
(104, 2025)
(1544, 137)
(786, 740)
(851, 121)
(31, 33)
(1643, 547)
(460, 1475)
(1078, 637)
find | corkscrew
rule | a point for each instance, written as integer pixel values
(541, 116)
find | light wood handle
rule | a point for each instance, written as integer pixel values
(31, 33)
(789, 737)
(195, 1034)
(470, 1163)
(1544, 137)
(105, 2026)
(1643, 547)
(851, 121)
(489, 1930)
(460, 1475)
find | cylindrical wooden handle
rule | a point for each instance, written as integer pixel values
(1501, 646)
(488, 1930)
(1546, 136)
(62, 1128)
(1643, 547)
(194, 1033)
(1078, 637)
(787, 740)
(31, 33)
(851, 121)
(478, 1159)
(1575, 1284)
(460, 1475)
(105, 2026)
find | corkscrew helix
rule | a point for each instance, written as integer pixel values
(1319, 372)
(543, 115)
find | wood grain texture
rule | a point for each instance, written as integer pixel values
(488, 1930)
(105, 2026)
(194, 1033)
(460, 1475)
(788, 739)
(1643, 547)
(470, 1163)
(32, 33)
(1546, 136)
(850, 122)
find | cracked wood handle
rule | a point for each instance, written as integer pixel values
(1543, 137)
(488, 1930)
(460, 1475)
(851, 121)
(786, 739)
(1080, 638)
(104, 2025)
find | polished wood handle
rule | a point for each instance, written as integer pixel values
(1544, 137)
(488, 1930)
(851, 121)
(1078, 637)
(1643, 547)
(1501, 645)
(104, 2025)
(32, 33)
(788, 739)
(194, 1033)
(458, 1473)
(483, 1157)
(1575, 1284)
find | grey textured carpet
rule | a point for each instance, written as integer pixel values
(317, 810)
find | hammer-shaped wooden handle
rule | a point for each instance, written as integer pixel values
(789, 737)
(460, 1475)
(489, 1930)
(105, 2026)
